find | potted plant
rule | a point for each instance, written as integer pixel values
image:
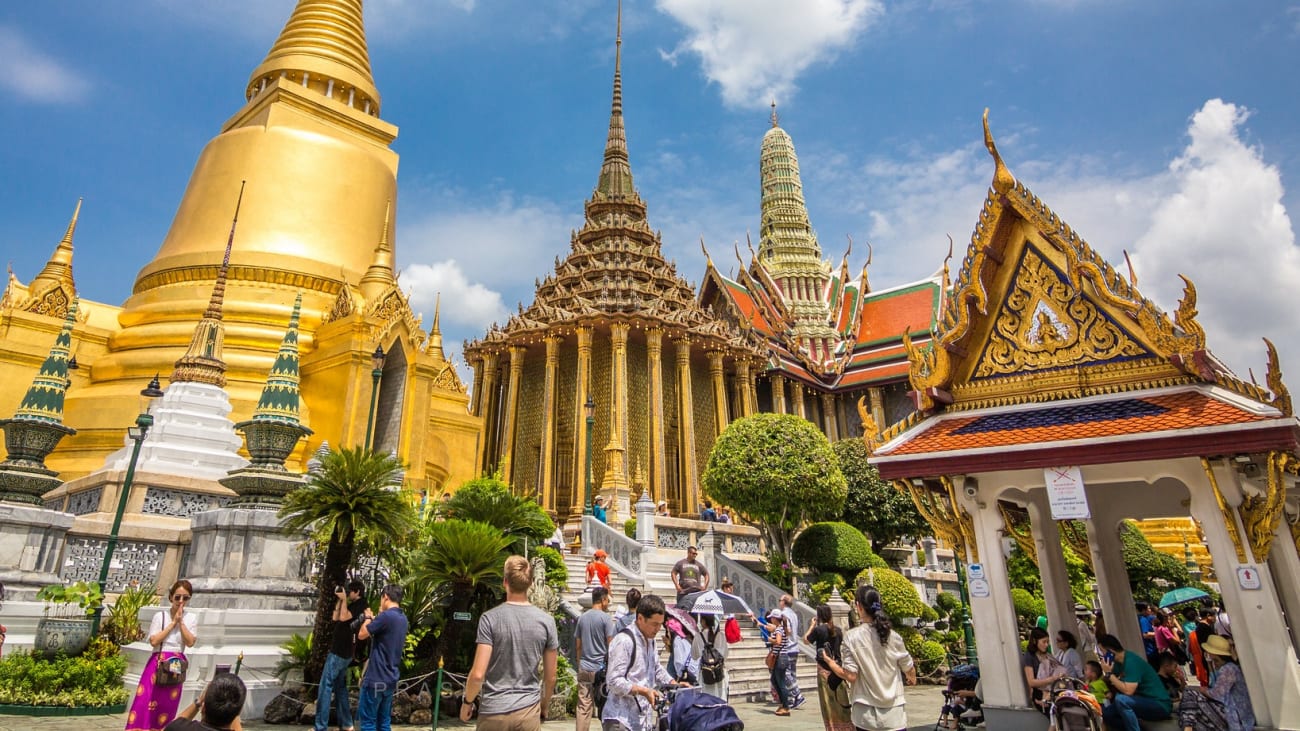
(66, 626)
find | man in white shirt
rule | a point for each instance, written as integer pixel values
(634, 671)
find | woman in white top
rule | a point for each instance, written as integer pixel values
(875, 660)
(710, 632)
(171, 632)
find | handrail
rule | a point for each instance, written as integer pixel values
(759, 593)
(624, 553)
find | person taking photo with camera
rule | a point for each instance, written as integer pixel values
(349, 609)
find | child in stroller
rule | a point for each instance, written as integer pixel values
(1072, 706)
(691, 709)
(961, 702)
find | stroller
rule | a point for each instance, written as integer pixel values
(1072, 707)
(690, 709)
(958, 710)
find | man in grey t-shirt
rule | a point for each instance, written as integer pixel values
(591, 646)
(513, 639)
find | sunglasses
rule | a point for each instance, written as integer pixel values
(182, 598)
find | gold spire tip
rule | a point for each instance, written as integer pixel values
(774, 117)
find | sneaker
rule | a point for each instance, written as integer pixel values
(799, 703)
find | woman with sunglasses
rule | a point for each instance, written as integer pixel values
(171, 631)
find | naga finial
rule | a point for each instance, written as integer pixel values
(870, 254)
(1132, 274)
(870, 429)
(1003, 180)
(750, 244)
(1185, 316)
(947, 259)
(1281, 396)
(708, 260)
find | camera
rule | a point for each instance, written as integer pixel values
(972, 491)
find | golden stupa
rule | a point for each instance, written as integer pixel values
(320, 182)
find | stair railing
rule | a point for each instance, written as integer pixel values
(624, 554)
(761, 594)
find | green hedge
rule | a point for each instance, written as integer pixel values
(557, 574)
(897, 594)
(87, 681)
(834, 547)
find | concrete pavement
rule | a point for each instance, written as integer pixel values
(923, 704)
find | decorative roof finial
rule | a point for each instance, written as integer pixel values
(775, 119)
(1003, 180)
(1273, 377)
(202, 363)
(616, 170)
(380, 274)
(280, 396)
(708, 260)
(947, 259)
(58, 269)
(44, 400)
(1132, 274)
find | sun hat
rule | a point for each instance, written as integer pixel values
(1217, 645)
(1081, 610)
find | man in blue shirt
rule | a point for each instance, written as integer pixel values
(598, 509)
(1147, 623)
(387, 633)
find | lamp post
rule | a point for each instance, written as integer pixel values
(377, 360)
(967, 629)
(137, 434)
(590, 409)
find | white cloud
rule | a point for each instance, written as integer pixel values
(756, 49)
(1215, 214)
(34, 75)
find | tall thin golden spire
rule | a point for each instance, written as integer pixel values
(381, 275)
(616, 171)
(775, 120)
(435, 332)
(325, 41)
(58, 269)
(202, 363)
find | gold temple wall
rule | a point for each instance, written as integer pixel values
(525, 466)
(638, 404)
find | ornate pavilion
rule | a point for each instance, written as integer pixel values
(833, 345)
(616, 324)
(1053, 387)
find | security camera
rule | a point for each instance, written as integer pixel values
(972, 491)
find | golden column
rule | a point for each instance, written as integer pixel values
(778, 394)
(654, 341)
(581, 392)
(512, 405)
(742, 377)
(753, 388)
(719, 388)
(829, 424)
(797, 390)
(877, 405)
(547, 489)
(686, 425)
(488, 408)
(476, 405)
(618, 381)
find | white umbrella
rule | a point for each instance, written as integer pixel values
(714, 602)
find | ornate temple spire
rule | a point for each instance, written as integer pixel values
(44, 400)
(202, 363)
(435, 332)
(280, 398)
(616, 170)
(58, 270)
(787, 231)
(323, 45)
(380, 276)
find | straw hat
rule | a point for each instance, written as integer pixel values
(1081, 610)
(1217, 645)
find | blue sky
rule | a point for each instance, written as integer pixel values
(1164, 128)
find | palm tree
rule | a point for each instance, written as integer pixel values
(460, 556)
(353, 495)
(489, 500)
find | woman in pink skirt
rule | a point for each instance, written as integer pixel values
(171, 631)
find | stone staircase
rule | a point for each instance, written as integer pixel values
(747, 673)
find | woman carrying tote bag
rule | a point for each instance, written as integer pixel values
(159, 694)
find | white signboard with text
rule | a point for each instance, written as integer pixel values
(1065, 493)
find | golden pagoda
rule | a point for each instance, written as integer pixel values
(316, 212)
(614, 323)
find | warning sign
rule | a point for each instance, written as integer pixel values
(1065, 493)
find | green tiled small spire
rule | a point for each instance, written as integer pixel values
(279, 402)
(44, 400)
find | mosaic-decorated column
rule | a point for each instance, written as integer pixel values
(491, 415)
(547, 488)
(476, 407)
(580, 394)
(654, 340)
(746, 387)
(828, 417)
(719, 389)
(686, 426)
(618, 411)
(778, 394)
(796, 389)
(512, 405)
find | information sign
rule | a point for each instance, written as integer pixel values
(1065, 493)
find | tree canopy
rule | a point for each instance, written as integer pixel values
(777, 471)
(873, 506)
(489, 500)
(834, 547)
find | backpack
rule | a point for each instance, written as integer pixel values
(599, 689)
(712, 671)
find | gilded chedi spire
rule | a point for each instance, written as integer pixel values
(323, 45)
(616, 171)
(280, 397)
(58, 269)
(380, 276)
(44, 400)
(202, 363)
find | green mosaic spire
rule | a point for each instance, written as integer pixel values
(44, 400)
(279, 400)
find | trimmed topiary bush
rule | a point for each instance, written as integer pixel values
(834, 547)
(928, 614)
(1028, 607)
(897, 594)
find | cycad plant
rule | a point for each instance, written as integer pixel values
(350, 497)
(489, 500)
(460, 556)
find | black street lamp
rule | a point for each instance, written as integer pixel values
(377, 360)
(137, 434)
(590, 409)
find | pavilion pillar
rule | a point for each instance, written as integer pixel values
(828, 417)
(476, 407)
(877, 400)
(1051, 564)
(796, 389)
(546, 491)
(753, 388)
(841, 425)
(618, 409)
(654, 340)
(997, 637)
(746, 386)
(488, 407)
(1268, 664)
(1284, 562)
(581, 392)
(512, 405)
(719, 389)
(1112, 578)
(690, 481)
(778, 394)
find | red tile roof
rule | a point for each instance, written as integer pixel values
(885, 316)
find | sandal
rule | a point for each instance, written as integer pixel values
(781, 712)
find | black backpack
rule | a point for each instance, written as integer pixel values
(599, 690)
(711, 662)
